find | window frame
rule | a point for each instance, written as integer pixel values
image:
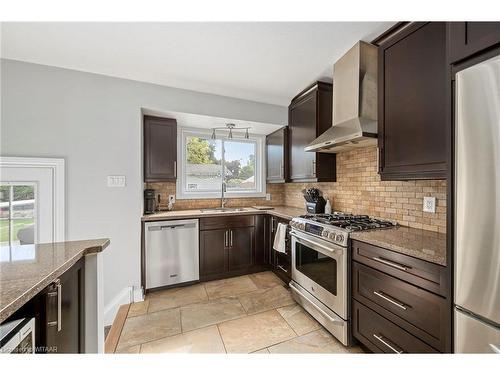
(260, 178)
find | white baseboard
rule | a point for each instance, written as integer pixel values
(110, 310)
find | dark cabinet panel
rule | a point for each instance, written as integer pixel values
(62, 312)
(160, 149)
(309, 115)
(382, 336)
(213, 253)
(468, 38)
(277, 156)
(241, 245)
(280, 262)
(422, 313)
(413, 103)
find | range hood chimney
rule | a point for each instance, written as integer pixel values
(354, 102)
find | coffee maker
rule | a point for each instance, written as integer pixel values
(149, 201)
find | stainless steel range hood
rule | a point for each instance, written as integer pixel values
(354, 102)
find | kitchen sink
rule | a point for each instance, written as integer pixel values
(220, 209)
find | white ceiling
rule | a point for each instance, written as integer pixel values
(208, 122)
(264, 62)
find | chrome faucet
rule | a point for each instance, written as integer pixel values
(222, 200)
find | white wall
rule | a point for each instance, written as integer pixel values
(94, 122)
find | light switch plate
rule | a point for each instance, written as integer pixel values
(171, 198)
(430, 204)
(268, 196)
(117, 181)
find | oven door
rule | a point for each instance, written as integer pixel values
(320, 267)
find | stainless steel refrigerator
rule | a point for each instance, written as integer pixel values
(477, 208)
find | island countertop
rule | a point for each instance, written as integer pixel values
(25, 270)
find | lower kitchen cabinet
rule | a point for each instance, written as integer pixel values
(59, 312)
(281, 263)
(399, 303)
(227, 246)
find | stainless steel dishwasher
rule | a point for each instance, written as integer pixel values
(171, 251)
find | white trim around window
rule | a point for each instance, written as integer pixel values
(260, 176)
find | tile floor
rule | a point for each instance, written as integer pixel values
(246, 314)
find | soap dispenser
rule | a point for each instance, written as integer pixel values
(328, 207)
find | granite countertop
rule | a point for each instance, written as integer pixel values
(418, 243)
(27, 269)
(280, 211)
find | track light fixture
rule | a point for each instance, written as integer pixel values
(230, 127)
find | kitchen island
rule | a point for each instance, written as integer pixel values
(27, 271)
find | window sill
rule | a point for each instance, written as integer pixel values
(218, 196)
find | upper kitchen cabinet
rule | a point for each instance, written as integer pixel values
(160, 149)
(413, 104)
(309, 115)
(277, 156)
(468, 38)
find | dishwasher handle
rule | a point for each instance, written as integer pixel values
(173, 226)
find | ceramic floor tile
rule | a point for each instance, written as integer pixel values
(261, 351)
(299, 319)
(266, 299)
(319, 341)
(204, 340)
(211, 312)
(229, 287)
(255, 332)
(148, 327)
(129, 350)
(138, 308)
(170, 298)
(266, 280)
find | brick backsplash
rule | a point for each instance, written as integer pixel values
(358, 190)
(167, 188)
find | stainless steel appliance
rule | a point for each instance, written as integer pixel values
(172, 252)
(320, 277)
(354, 102)
(18, 336)
(477, 194)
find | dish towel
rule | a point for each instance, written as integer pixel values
(279, 238)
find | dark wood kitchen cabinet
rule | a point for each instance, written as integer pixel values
(309, 115)
(227, 247)
(399, 303)
(281, 263)
(160, 149)
(60, 313)
(468, 38)
(413, 103)
(277, 156)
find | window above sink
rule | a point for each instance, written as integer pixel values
(204, 163)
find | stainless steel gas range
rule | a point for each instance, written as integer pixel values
(320, 272)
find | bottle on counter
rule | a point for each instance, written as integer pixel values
(328, 207)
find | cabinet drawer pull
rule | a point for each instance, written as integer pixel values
(231, 238)
(387, 343)
(388, 299)
(392, 264)
(281, 268)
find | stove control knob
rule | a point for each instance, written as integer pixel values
(325, 233)
(339, 238)
(292, 223)
(332, 236)
(301, 226)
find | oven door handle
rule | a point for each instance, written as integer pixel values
(320, 310)
(332, 249)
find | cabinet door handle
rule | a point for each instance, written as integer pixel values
(282, 268)
(387, 343)
(175, 169)
(59, 303)
(392, 264)
(388, 299)
(225, 238)
(231, 238)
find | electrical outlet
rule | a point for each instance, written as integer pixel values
(117, 181)
(430, 204)
(268, 196)
(171, 198)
